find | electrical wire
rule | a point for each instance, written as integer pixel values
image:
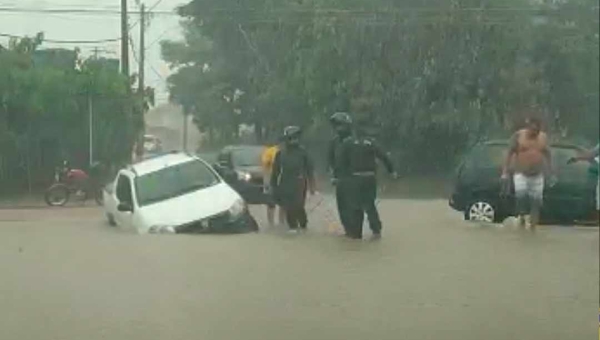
(158, 2)
(149, 11)
(157, 73)
(75, 11)
(54, 41)
(160, 36)
(307, 10)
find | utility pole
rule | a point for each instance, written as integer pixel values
(125, 57)
(142, 48)
(91, 128)
(124, 39)
(142, 87)
(185, 128)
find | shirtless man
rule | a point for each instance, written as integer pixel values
(530, 153)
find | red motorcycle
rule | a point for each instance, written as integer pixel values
(72, 182)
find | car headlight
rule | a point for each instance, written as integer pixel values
(237, 209)
(161, 229)
(244, 176)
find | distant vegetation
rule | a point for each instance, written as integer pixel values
(431, 77)
(45, 98)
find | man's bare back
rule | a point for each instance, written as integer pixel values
(530, 152)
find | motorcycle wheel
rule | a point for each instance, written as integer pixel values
(57, 195)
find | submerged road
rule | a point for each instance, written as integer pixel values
(64, 274)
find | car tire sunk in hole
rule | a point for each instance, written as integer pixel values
(252, 224)
(482, 210)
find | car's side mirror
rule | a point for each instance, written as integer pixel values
(125, 207)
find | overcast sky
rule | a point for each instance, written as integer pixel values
(69, 26)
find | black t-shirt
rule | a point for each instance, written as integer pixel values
(360, 155)
(290, 165)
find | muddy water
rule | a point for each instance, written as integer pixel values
(65, 275)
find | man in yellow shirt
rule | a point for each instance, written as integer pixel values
(268, 158)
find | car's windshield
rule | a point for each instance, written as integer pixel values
(174, 181)
(247, 156)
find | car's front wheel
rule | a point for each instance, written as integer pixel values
(482, 211)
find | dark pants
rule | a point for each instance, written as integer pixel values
(342, 197)
(291, 195)
(362, 201)
(297, 218)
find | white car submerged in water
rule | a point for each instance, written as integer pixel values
(175, 193)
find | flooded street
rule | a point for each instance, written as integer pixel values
(66, 275)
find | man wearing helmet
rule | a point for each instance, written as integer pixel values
(291, 177)
(358, 161)
(341, 123)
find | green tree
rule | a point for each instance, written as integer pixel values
(44, 115)
(432, 78)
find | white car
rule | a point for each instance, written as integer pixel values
(175, 193)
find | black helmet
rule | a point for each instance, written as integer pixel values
(340, 118)
(291, 132)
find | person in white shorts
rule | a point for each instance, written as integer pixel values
(591, 156)
(532, 159)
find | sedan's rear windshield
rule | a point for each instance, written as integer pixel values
(488, 155)
(174, 181)
(493, 156)
(247, 156)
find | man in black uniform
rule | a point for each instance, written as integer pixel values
(292, 175)
(358, 158)
(342, 124)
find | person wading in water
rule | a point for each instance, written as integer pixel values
(530, 152)
(291, 178)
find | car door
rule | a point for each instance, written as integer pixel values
(481, 170)
(569, 197)
(124, 194)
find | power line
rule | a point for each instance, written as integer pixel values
(75, 11)
(307, 10)
(6, 35)
(147, 12)
(160, 36)
(157, 73)
(155, 5)
(380, 22)
(400, 10)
